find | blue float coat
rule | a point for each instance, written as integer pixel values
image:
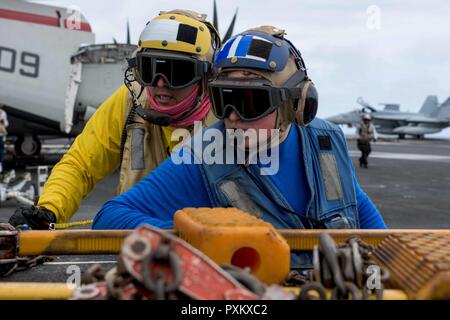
(171, 187)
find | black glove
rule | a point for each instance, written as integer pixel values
(38, 218)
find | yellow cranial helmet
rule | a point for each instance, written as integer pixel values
(177, 45)
(181, 31)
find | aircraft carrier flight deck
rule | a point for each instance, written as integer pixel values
(408, 180)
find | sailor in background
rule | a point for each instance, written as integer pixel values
(3, 133)
(366, 134)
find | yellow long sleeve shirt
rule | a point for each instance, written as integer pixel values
(94, 155)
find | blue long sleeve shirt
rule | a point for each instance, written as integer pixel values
(172, 187)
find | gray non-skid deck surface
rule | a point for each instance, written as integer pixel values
(408, 180)
(63, 269)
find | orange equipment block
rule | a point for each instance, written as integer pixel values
(232, 236)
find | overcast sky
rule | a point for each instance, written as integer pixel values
(385, 51)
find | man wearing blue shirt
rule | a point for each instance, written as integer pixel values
(262, 85)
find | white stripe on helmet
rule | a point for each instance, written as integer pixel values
(160, 30)
(233, 47)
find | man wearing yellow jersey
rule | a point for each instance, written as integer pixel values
(165, 89)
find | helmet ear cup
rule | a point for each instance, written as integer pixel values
(306, 108)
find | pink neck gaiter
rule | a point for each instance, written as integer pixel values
(178, 110)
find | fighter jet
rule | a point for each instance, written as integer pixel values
(431, 118)
(52, 75)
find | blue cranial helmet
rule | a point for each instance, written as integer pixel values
(265, 51)
(254, 50)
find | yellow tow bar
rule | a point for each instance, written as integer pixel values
(61, 242)
(63, 291)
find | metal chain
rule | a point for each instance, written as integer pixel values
(93, 274)
(153, 282)
(297, 279)
(246, 278)
(343, 269)
(307, 288)
(23, 263)
(115, 286)
(157, 282)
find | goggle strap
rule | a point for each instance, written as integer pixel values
(295, 79)
(290, 94)
(298, 56)
(204, 68)
(132, 62)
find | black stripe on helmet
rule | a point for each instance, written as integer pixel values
(260, 48)
(187, 33)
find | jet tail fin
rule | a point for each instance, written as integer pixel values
(430, 105)
(128, 32)
(215, 17)
(230, 28)
(443, 112)
(365, 105)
